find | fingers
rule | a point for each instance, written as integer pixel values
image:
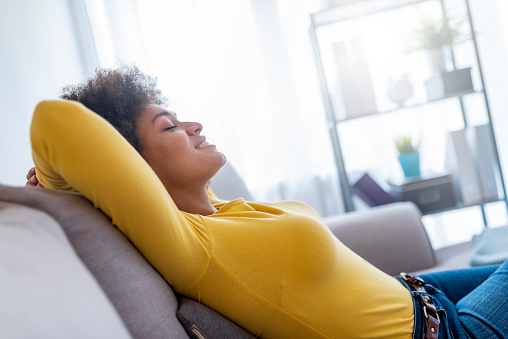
(31, 173)
(32, 181)
(32, 178)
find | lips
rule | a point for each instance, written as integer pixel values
(201, 143)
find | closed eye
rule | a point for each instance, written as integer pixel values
(169, 128)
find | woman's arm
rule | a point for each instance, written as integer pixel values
(76, 149)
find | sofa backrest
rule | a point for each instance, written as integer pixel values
(228, 185)
(141, 296)
(146, 303)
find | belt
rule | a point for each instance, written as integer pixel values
(429, 309)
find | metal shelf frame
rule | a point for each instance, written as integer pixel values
(369, 7)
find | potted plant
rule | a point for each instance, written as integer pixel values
(433, 34)
(409, 157)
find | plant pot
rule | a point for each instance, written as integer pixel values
(445, 84)
(410, 163)
(437, 60)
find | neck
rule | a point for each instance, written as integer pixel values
(192, 201)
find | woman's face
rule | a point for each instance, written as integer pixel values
(176, 150)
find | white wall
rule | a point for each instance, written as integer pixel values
(492, 30)
(41, 50)
(39, 54)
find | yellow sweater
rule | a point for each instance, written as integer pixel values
(275, 269)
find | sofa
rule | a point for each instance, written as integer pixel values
(67, 272)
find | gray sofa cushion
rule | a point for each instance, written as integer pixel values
(45, 290)
(143, 299)
(201, 322)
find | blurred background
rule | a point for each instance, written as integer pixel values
(301, 95)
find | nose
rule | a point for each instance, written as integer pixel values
(193, 128)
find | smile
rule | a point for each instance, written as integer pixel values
(202, 143)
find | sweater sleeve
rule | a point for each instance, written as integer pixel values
(75, 149)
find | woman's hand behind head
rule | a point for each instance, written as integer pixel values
(32, 178)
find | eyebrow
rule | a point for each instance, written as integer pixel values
(161, 114)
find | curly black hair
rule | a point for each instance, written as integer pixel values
(119, 95)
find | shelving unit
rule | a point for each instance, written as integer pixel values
(349, 24)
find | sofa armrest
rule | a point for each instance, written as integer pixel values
(46, 290)
(391, 237)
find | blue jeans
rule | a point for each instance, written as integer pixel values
(473, 302)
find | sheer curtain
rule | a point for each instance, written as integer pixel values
(245, 70)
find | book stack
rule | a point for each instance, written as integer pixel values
(471, 156)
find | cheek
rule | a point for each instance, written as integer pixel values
(177, 148)
(178, 142)
(167, 151)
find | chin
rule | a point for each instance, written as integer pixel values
(220, 163)
(223, 159)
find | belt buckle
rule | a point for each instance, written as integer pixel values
(412, 280)
(435, 316)
(432, 321)
(431, 325)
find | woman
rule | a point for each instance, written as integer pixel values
(274, 269)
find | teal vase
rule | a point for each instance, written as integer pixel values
(410, 163)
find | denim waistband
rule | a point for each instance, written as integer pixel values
(418, 312)
(419, 325)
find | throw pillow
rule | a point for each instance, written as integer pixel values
(490, 247)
